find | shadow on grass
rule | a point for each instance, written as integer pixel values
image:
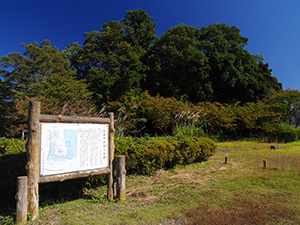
(12, 166)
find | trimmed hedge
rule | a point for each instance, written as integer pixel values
(146, 155)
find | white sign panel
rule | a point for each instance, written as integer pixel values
(70, 147)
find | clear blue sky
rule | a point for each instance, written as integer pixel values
(272, 26)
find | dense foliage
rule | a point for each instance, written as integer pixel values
(140, 114)
(11, 146)
(200, 79)
(110, 58)
(207, 64)
(40, 73)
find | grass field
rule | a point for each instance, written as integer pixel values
(239, 192)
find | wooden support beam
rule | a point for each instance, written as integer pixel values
(121, 176)
(21, 200)
(72, 119)
(110, 190)
(74, 175)
(33, 158)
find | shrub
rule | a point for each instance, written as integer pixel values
(146, 155)
(11, 146)
(284, 133)
(152, 115)
(194, 149)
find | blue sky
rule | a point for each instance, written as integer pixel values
(273, 27)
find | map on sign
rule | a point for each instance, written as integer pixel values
(70, 147)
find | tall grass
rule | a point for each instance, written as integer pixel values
(187, 130)
(188, 124)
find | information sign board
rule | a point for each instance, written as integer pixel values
(72, 147)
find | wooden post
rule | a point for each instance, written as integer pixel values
(110, 190)
(121, 175)
(265, 164)
(33, 158)
(21, 200)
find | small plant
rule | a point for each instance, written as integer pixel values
(187, 130)
(7, 220)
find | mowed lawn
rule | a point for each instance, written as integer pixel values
(241, 191)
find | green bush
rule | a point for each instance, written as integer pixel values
(146, 155)
(284, 133)
(11, 146)
(194, 149)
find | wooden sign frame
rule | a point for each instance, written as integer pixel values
(33, 148)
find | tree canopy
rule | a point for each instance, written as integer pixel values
(110, 57)
(196, 64)
(207, 64)
(41, 72)
(126, 58)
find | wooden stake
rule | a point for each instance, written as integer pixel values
(265, 164)
(121, 175)
(110, 190)
(21, 200)
(33, 158)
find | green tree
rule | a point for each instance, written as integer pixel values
(207, 64)
(5, 106)
(287, 104)
(41, 72)
(110, 57)
(178, 66)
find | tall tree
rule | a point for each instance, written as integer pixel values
(110, 57)
(178, 66)
(40, 72)
(207, 64)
